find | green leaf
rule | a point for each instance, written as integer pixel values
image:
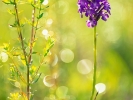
(28, 21)
(49, 45)
(11, 12)
(6, 46)
(23, 22)
(13, 25)
(8, 2)
(47, 7)
(31, 97)
(11, 79)
(34, 52)
(36, 78)
(40, 16)
(41, 1)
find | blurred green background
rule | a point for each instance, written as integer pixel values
(71, 59)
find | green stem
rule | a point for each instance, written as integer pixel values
(37, 21)
(31, 49)
(22, 44)
(19, 31)
(96, 96)
(95, 64)
(33, 31)
(34, 36)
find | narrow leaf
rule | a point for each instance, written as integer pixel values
(36, 78)
(40, 16)
(6, 1)
(41, 1)
(11, 12)
(34, 52)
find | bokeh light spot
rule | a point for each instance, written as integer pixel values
(3, 57)
(55, 60)
(112, 34)
(49, 81)
(45, 33)
(45, 2)
(17, 84)
(61, 92)
(100, 87)
(67, 55)
(84, 66)
(49, 21)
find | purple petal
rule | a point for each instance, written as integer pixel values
(91, 23)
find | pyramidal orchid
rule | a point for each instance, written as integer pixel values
(94, 9)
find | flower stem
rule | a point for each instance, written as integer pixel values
(95, 64)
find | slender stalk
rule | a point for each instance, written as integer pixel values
(95, 64)
(96, 96)
(19, 31)
(33, 31)
(34, 36)
(22, 44)
(42, 62)
(37, 20)
(31, 49)
(17, 70)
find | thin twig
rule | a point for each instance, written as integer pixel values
(37, 21)
(32, 34)
(42, 62)
(33, 38)
(31, 48)
(15, 67)
(22, 41)
(19, 31)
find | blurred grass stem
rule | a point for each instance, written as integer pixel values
(96, 96)
(95, 64)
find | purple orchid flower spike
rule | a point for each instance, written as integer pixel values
(94, 9)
